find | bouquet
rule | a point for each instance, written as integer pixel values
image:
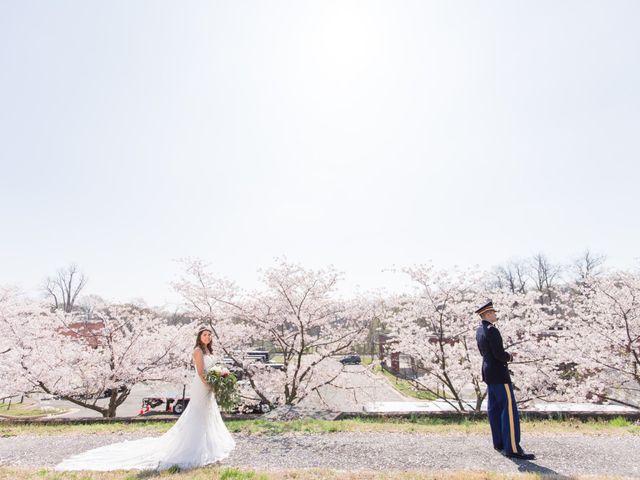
(224, 384)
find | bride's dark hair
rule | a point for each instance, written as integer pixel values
(205, 348)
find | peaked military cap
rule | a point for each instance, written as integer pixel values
(487, 307)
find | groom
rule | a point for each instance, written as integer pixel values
(502, 410)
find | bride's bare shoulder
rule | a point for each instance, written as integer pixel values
(197, 352)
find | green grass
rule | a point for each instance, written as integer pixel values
(425, 425)
(276, 358)
(237, 474)
(222, 473)
(27, 409)
(405, 387)
(8, 430)
(366, 359)
(620, 422)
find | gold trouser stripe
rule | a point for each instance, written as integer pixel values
(512, 427)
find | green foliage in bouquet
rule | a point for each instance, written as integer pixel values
(224, 385)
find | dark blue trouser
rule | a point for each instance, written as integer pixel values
(504, 418)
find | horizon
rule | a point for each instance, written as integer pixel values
(397, 281)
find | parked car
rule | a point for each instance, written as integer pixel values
(260, 355)
(107, 393)
(88, 396)
(351, 360)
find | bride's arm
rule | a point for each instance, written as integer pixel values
(198, 361)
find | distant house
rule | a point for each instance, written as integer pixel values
(88, 332)
(402, 363)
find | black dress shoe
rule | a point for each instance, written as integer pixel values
(520, 456)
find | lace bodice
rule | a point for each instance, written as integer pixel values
(209, 361)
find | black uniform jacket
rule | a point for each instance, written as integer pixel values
(494, 357)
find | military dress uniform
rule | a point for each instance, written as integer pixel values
(502, 409)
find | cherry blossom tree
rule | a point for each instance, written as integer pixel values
(604, 340)
(82, 361)
(572, 340)
(528, 324)
(436, 326)
(11, 383)
(297, 314)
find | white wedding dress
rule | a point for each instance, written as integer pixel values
(198, 438)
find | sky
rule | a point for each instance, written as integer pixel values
(360, 134)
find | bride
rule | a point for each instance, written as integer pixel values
(199, 437)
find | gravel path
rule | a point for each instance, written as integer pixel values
(561, 454)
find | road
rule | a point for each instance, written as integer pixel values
(357, 389)
(354, 389)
